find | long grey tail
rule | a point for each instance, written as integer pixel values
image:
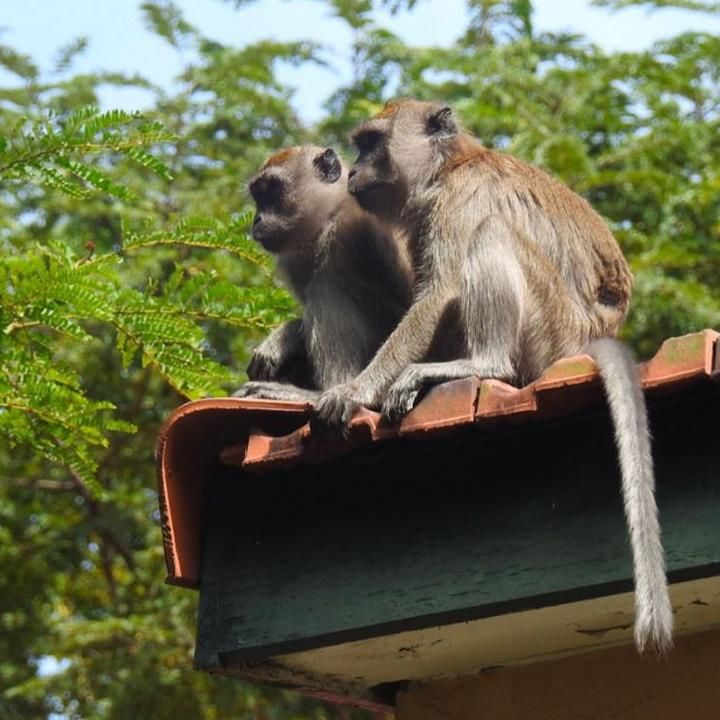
(653, 612)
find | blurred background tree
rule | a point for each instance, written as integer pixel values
(130, 285)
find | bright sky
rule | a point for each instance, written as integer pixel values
(119, 40)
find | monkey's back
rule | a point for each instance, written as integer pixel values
(565, 229)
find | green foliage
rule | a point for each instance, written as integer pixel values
(17, 63)
(102, 333)
(42, 399)
(697, 5)
(393, 5)
(204, 232)
(67, 54)
(165, 20)
(55, 296)
(51, 151)
(130, 283)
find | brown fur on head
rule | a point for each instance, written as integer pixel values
(401, 150)
(295, 192)
(391, 107)
(281, 157)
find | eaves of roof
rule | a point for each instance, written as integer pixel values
(262, 435)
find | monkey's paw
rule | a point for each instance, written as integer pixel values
(337, 406)
(250, 389)
(265, 365)
(401, 396)
(275, 391)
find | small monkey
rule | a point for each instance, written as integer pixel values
(513, 271)
(344, 265)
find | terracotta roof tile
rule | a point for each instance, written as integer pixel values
(260, 435)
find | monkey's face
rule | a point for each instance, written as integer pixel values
(400, 151)
(275, 210)
(294, 193)
(373, 179)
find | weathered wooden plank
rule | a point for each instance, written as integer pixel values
(529, 636)
(413, 535)
(603, 685)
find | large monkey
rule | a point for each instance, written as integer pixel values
(345, 266)
(513, 271)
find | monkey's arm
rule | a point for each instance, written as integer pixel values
(408, 343)
(281, 349)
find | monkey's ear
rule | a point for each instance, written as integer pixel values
(327, 166)
(442, 122)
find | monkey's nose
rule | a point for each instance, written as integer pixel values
(257, 219)
(352, 173)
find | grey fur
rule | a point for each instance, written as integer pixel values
(518, 309)
(653, 611)
(281, 351)
(347, 268)
(271, 390)
(524, 272)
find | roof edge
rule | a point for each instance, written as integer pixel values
(259, 435)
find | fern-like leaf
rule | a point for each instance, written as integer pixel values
(95, 178)
(55, 152)
(204, 232)
(144, 158)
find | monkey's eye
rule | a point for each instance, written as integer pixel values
(367, 141)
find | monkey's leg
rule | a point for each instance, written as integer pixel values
(276, 391)
(493, 303)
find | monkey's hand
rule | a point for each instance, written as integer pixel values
(276, 391)
(403, 393)
(281, 349)
(267, 363)
(338, 404)
(271, 361)
(401, 396)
